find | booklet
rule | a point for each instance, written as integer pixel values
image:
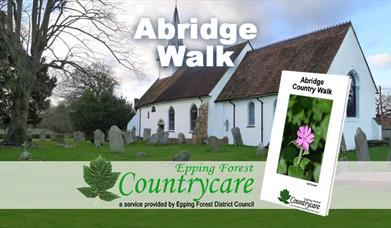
(305, 140)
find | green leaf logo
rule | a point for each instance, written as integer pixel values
(100, 178)
(284, 196)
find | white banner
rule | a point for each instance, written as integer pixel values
(202, 185)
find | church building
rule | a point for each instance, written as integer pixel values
(215, 99)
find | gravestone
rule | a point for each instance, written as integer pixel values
(237, 136)
(42, 135)
(153, 140)
(79, 136)
(342, 148)
(116, 140)
(213, 143)
(141, 154)
(147, 134)
(60, 139)
(181, 138)
(362, 150)
(53, 136)
(261, 150)
(29, 135)
(99, 138)
(25, 156)
(164, 139)
(182, 156)
(159, 138)
(129, 137)
(133, 131)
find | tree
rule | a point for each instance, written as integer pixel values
(91, 112)
(56, 118)
(384, 105)
(38, 29)
(95, 78)
(41, 91)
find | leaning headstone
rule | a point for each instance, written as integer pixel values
(362, 150)
(182, 156)
(42, 135)
(25, 156)
(141, 154)
(237, 136)
(147, 134)
(99, 138)
(342, 148)
(116, 140)
(129, 138)
(213, 143)
(261, 150)
(79, 136)
(60, 139)
(181, 138)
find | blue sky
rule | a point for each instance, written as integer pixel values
(276, 20)
(374, 33)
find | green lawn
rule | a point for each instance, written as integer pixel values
(379, 153)
(85, 151)
(192, 218)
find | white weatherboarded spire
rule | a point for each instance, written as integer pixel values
(175, 41)
(175, 21)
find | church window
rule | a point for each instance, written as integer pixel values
(251, 114)
(193, 116)
(153, 109)
(171, 119)
(351, 110)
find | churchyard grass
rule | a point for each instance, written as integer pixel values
(192, 218)
(379, 153)
(86, 151)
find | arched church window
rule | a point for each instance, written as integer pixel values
(351, 110)
(171, 119)
(153, 109)
(251, 114)
(193, 116)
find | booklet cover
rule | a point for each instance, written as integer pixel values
(305, 140)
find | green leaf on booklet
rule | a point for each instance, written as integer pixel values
(295, 171)
(316, 173)
(282, 166)
(289, 153)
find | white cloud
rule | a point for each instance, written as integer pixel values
(382, 60)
